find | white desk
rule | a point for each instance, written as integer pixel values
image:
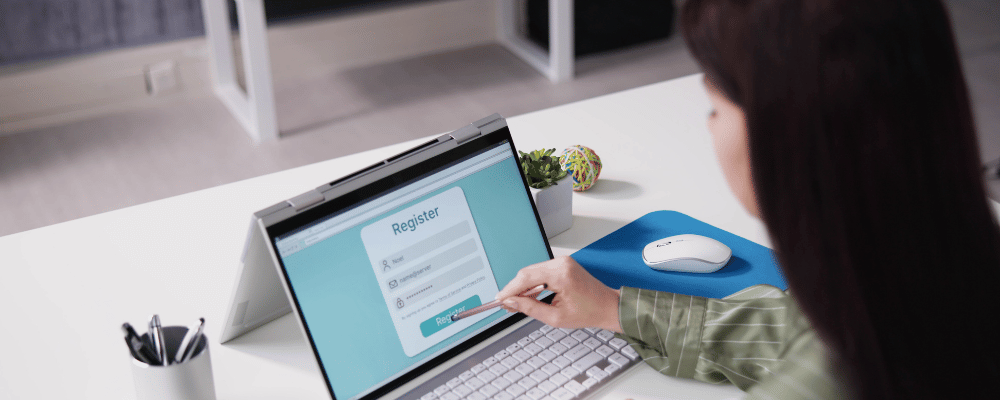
(67, 288)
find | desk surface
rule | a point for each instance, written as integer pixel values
(68, 287)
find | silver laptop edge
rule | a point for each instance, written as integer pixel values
(259, 294)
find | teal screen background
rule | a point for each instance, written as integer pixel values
(343, 306)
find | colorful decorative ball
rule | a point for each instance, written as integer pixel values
(582, 165)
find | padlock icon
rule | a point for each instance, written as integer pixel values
(399, 303)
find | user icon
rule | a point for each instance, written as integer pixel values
(385, 266)
(399, 303)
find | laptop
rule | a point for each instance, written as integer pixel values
(374, 264)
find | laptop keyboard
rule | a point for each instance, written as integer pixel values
(535, 362)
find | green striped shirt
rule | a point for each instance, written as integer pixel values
(756, 339)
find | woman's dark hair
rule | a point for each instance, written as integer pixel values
(866, 170)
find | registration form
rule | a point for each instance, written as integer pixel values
(430, 264)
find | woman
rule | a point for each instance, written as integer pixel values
(846, 127)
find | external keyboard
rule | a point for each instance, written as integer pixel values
(535, 362)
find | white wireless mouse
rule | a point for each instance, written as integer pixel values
(686, 253)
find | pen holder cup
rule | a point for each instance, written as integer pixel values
(191, 379)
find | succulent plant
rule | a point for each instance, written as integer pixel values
(541, 169)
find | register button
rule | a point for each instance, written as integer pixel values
(442, 320)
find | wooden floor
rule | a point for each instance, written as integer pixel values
(68, 172)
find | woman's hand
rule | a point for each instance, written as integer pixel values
(581, 300)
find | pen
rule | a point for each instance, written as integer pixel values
(190, 342)
(496, 303)
(156, 338)
(135, 344)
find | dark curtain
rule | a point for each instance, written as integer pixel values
(40, 29)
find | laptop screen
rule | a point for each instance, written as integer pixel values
(376, 285)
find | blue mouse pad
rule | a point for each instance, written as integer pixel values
(616, 259)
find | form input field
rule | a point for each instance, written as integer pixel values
(433, 243)
(432, 265)
(442, 281)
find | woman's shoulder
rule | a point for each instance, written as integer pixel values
(808, 371)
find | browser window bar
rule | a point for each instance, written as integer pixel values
(342, 222)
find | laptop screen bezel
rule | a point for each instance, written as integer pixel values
(380, 186)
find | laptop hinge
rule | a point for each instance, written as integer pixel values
(465, 134)
(490, 120)
(305, 200)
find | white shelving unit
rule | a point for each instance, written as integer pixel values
(254, 107)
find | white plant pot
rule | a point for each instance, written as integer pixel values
(555, 206)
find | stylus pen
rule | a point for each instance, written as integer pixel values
(135, 344)
(496, 303)
(190, 342)
(156, 338)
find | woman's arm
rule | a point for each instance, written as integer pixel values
(739, 339)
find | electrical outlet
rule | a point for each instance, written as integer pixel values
(162, 78)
